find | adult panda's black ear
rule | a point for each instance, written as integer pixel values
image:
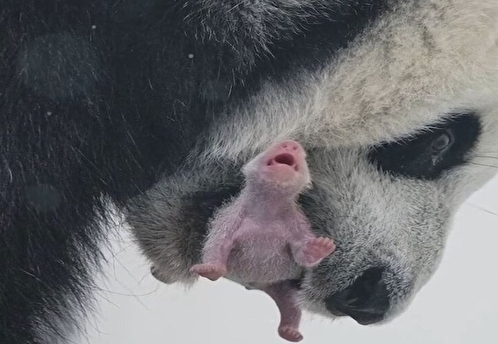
(428, 154)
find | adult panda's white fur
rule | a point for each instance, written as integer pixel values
(420, 61)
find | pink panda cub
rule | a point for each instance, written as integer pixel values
(262, 238)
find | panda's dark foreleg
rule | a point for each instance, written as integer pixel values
(49, 235)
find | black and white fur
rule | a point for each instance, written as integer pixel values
(154, 105)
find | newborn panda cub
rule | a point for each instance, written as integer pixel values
(262, 238)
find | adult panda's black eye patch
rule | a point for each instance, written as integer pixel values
(428, 154)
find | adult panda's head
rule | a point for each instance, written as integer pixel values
(398, 112)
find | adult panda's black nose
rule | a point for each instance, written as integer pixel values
(366, 300)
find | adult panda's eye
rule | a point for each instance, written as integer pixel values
(429, 153)
(442, 142)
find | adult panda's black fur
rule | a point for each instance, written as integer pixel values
(98, 98)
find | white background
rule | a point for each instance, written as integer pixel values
(459, 304)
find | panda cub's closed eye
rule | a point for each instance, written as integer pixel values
(431, 152)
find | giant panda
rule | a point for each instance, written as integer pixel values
(153, 105)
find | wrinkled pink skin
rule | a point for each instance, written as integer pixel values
(262, 238)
